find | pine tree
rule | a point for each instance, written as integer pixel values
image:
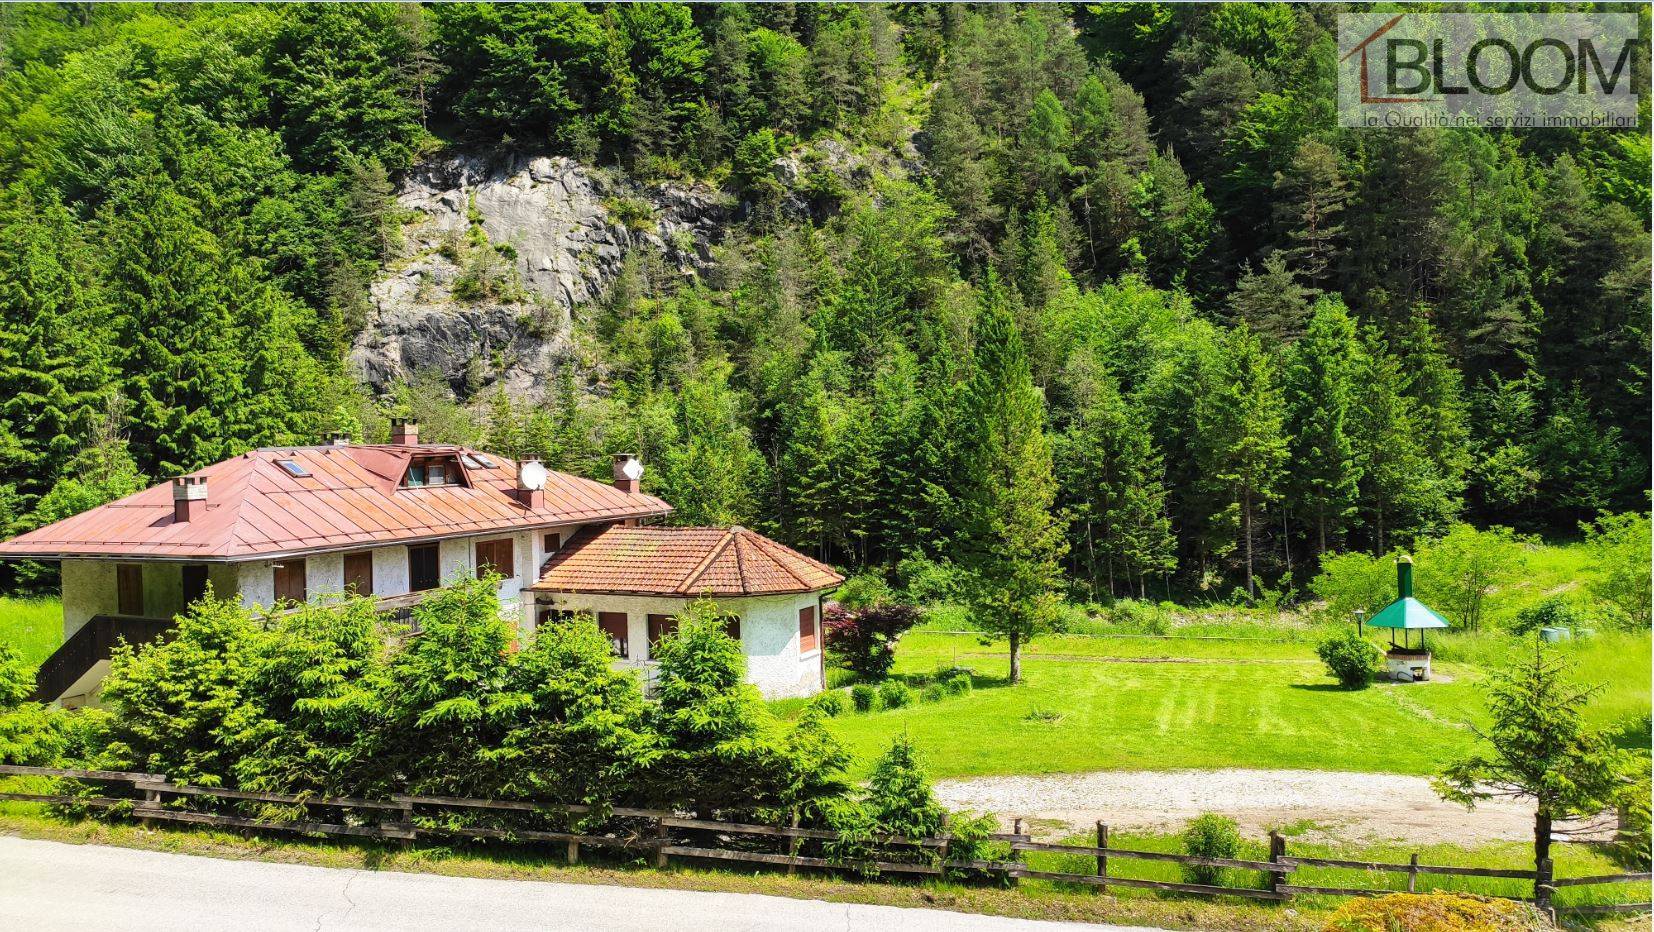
(1311, 194)
(1011, 540)
(1040, 163)
(1243, 442)
(1271, 302)
(1402, 493)
(1320, 399)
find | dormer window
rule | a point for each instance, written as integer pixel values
(426, 471)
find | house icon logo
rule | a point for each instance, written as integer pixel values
(1359, 52)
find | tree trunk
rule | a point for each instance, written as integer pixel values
(1542, 858)
(1246, 532)
(1320, 529)
(1016, 656)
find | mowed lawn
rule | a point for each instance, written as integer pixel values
(33, 626)
(1202, 704)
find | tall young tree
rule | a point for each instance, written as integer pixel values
(1243, 443)
(1011, 539)
(1320, 399)
(1312, 192)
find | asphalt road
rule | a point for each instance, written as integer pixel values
(47, 886)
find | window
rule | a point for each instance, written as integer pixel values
(494, 556)
(432, 470)
(807, 639)
(660, 626)
(293, 469)
(614, 626)
(290, 580)
(477, 461)
(194, 582)
(553, 541)
(732, 626)
(129, 589)
(422, 568)
(359, 573)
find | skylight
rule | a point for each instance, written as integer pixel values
(477, 461)
(293, 469)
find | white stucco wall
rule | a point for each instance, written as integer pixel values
(88, 590)
(769, 635)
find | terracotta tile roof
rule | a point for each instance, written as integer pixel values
(682, 561)
(351, 497)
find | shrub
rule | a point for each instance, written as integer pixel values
(955, 681)
(831, 703)
(1139, 617)
(864, 697)
(1435, 912)
(925, 580)
(1350, 658)
(1619, 546)
(895, 695)
(865, 639)
(1554, 612)
(1355, 581)
(933, 693)
(864, 590)
(1209, 836)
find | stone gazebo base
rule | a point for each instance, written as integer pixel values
(1407, 664)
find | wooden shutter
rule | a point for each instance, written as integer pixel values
(614, 625)
(194, 580)
(422, 568)
(290, 580)
(660, 626)
(495, 556)
(129, 589)
(807, 639)
(359, 573)
(553, 540)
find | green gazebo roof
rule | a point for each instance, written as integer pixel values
(1407, 613)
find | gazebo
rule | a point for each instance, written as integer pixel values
(1405, 663)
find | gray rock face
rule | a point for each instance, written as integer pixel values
(546, 235)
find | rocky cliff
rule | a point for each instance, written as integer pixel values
(497, 256)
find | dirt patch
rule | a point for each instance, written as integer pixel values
(1342, 806)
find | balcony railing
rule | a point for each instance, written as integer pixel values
(90, 645)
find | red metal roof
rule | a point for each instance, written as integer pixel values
(352, 497)
(681, 561)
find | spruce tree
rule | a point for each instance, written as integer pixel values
(1320, 399)
(1271, 302)
(1311, 194)
(1011, 540)
(1243, 443)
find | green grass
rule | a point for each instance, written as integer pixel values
(1201, 704)
(34, 626)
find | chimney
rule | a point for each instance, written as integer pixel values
(628, 469)
(1404, 576)
(404, 431)
(531, 483)
(189, 498)
(339, 438)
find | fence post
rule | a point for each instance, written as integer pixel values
(1277, 851)
(1542, 885)
(1017, 857)
(1102, 859)
(573, 853)
(1413, 873)
(794, 841)
(660, 842)
(407, 815)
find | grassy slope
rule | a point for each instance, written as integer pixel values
(1262, 704)
(34, 626)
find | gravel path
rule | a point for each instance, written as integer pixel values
(1346, 806)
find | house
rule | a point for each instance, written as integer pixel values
(394, 521)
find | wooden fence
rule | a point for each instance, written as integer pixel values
(663, 835)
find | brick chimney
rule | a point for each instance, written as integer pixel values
(339, 438)
(404, 431)
(531, 483)
(189, 498)
(628, 469)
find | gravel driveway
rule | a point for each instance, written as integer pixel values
(1348, 806)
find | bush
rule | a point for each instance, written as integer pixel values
(955, 681)
(895, 695)
(831, 703)
(1350, 658)
(1435, 912)
(1554, 612)
(933, 693)
(1137, 617)
(864, 590)
(1355, 581)
(1209, 836)
(927, 581)
(864, 697)
(864, 639)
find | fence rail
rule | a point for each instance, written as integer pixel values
(674, 834)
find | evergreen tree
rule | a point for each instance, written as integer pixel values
(1312, 192)
(1011, 539)
(1402, 492)
(1321, 407)
(1040, 162)
(1243, 443)
(1271, 302)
